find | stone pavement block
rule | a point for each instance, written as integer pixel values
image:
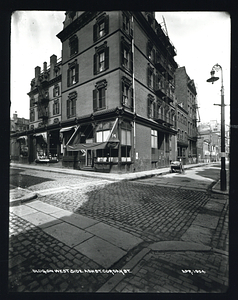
(114, 236)
(43, 207)
(42, 220)
(79, 220)
(197, 234)
(207, 221)
(22, 210)
(214, 205)
(12, 262)
(68, 234)
(100, 251)
(178, 246)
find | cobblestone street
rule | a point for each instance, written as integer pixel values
(151, 213)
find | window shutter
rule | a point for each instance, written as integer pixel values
(68, 108)
(74, 106)
(107, 58)
(95, 64)
(54, 92)
(154, 81)
(149, 108)
(148, 76)
(77, 73)
(131, 62)
(95, 32)
(122, 53)
(156, 110)
(106, 24)
(103, 98)
(132, 98)
(122, 92)
(68, 78)
(94, 100)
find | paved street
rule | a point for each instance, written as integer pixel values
(166, 219)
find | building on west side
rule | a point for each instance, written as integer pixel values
(45, 112)
(186, 93)
(18, 143)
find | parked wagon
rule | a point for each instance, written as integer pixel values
(176, 166)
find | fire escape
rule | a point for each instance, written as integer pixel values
(43, 97)
(164, 88)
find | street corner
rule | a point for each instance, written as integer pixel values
(19, 196)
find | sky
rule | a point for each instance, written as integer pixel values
(202, 39)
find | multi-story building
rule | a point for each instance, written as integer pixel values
(117, 91)
(182, 133)
(185, 92)
(109, 104)
(18, 143)
(45, 112)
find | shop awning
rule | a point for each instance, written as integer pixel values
(23, 137)
(43, 134)
(93, 146)
(67, 128)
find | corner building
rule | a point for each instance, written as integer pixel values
(117, 92)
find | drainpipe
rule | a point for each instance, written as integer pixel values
(134, 94)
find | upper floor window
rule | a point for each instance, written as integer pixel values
(101, 28)
(101, 58)
(99, 95)
(127, 23)
(72, 73)
(32, 115)
(126, 55)
(56, 107)
(127, 93)
(56, 91)
(73, 44)
(151, 106)
(151, 77)
(32, 102)
(71, 105)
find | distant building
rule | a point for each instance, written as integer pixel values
(187, 113)
(18, 143)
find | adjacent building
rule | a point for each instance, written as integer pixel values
(19, 143)
(187, 116)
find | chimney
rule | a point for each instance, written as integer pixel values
(37, 72)
(53, 62)
(15, 116)
(45, 66)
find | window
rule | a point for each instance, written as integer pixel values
(56, 91)
(71, 105)
(150, 51)
(151, 105)
(32, 115)
(101, 28)
(56, 107)
(154, 139)
(73, 44)
(126, 55)
(101, 58)
(32, 102)
(127, 92)
(151, 77)
(102, 136)
(99, 95)
(73, 74)
(126, 23)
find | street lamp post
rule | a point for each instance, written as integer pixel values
(223, 152)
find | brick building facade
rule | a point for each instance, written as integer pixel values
(115, 92)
